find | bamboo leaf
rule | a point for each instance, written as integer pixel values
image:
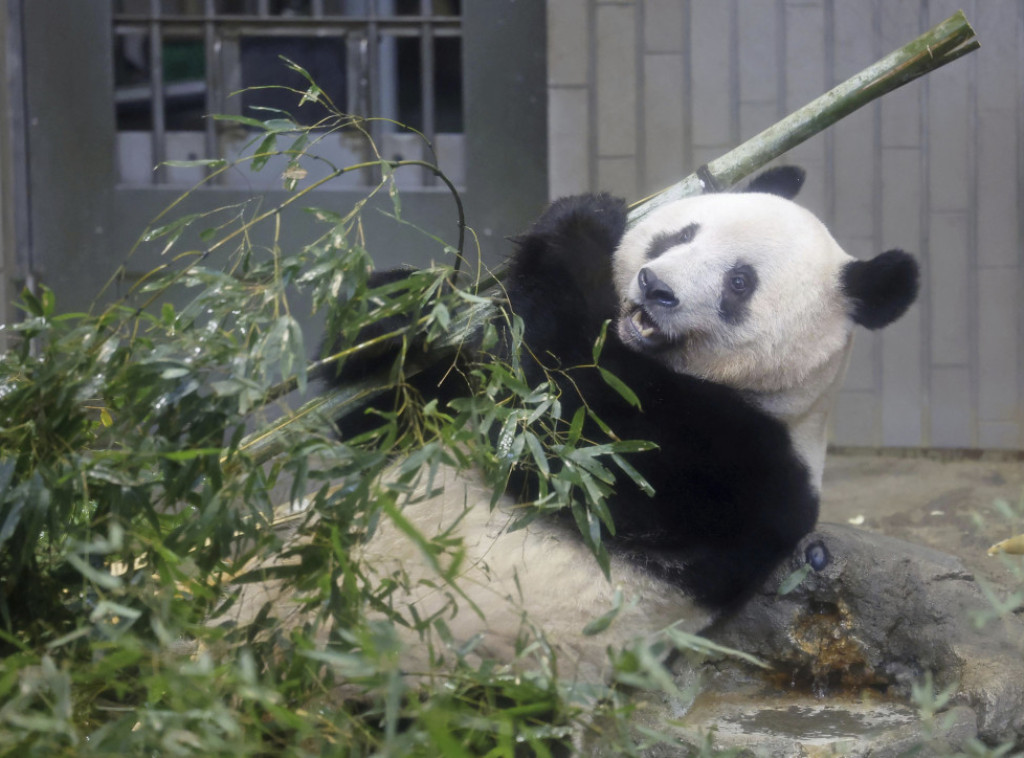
(620, 387)
(576, 427)
(173, 230)
(538, 454)
(794, 580)
(605, 620)
(264, 152)
(212, 163)
(637, 478)
(100, 578)
(704, 646)
(599, 342)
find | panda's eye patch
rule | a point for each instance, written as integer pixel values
(665, 241)
(741, 279)
(738, 285)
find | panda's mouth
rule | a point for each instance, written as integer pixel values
(644, 324)
(643, 329)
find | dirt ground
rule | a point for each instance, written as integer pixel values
(953, 503)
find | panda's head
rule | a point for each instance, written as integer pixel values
(750, 290)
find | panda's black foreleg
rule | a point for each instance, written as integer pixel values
(559, 279)
(726, 577)
(731, 496)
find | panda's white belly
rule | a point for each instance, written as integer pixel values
(541, 575)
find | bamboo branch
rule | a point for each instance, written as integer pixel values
(319, 413)
(940, 45)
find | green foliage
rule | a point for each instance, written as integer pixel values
(138, 505)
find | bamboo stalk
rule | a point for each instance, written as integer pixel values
(940, 45)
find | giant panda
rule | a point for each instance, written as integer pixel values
(730, 316)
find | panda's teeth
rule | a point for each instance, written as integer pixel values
(643, 325)
(638, 322)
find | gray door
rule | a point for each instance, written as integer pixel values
(116, 87)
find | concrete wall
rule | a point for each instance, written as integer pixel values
(642, 92)
(7, 237)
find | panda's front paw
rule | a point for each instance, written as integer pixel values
(576, 229)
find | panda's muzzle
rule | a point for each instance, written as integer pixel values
(643, 325)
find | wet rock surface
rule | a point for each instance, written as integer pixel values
(871, 617)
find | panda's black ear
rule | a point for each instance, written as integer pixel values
(784, 181)
(881, 289)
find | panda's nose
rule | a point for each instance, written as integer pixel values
(656, 291)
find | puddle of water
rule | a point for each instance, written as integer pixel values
(820, 722)
(848, 727)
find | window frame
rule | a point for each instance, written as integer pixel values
(369, 90)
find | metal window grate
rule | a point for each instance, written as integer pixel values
(177, 60)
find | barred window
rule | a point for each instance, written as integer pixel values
(178, 60)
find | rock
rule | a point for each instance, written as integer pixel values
(876, 615)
